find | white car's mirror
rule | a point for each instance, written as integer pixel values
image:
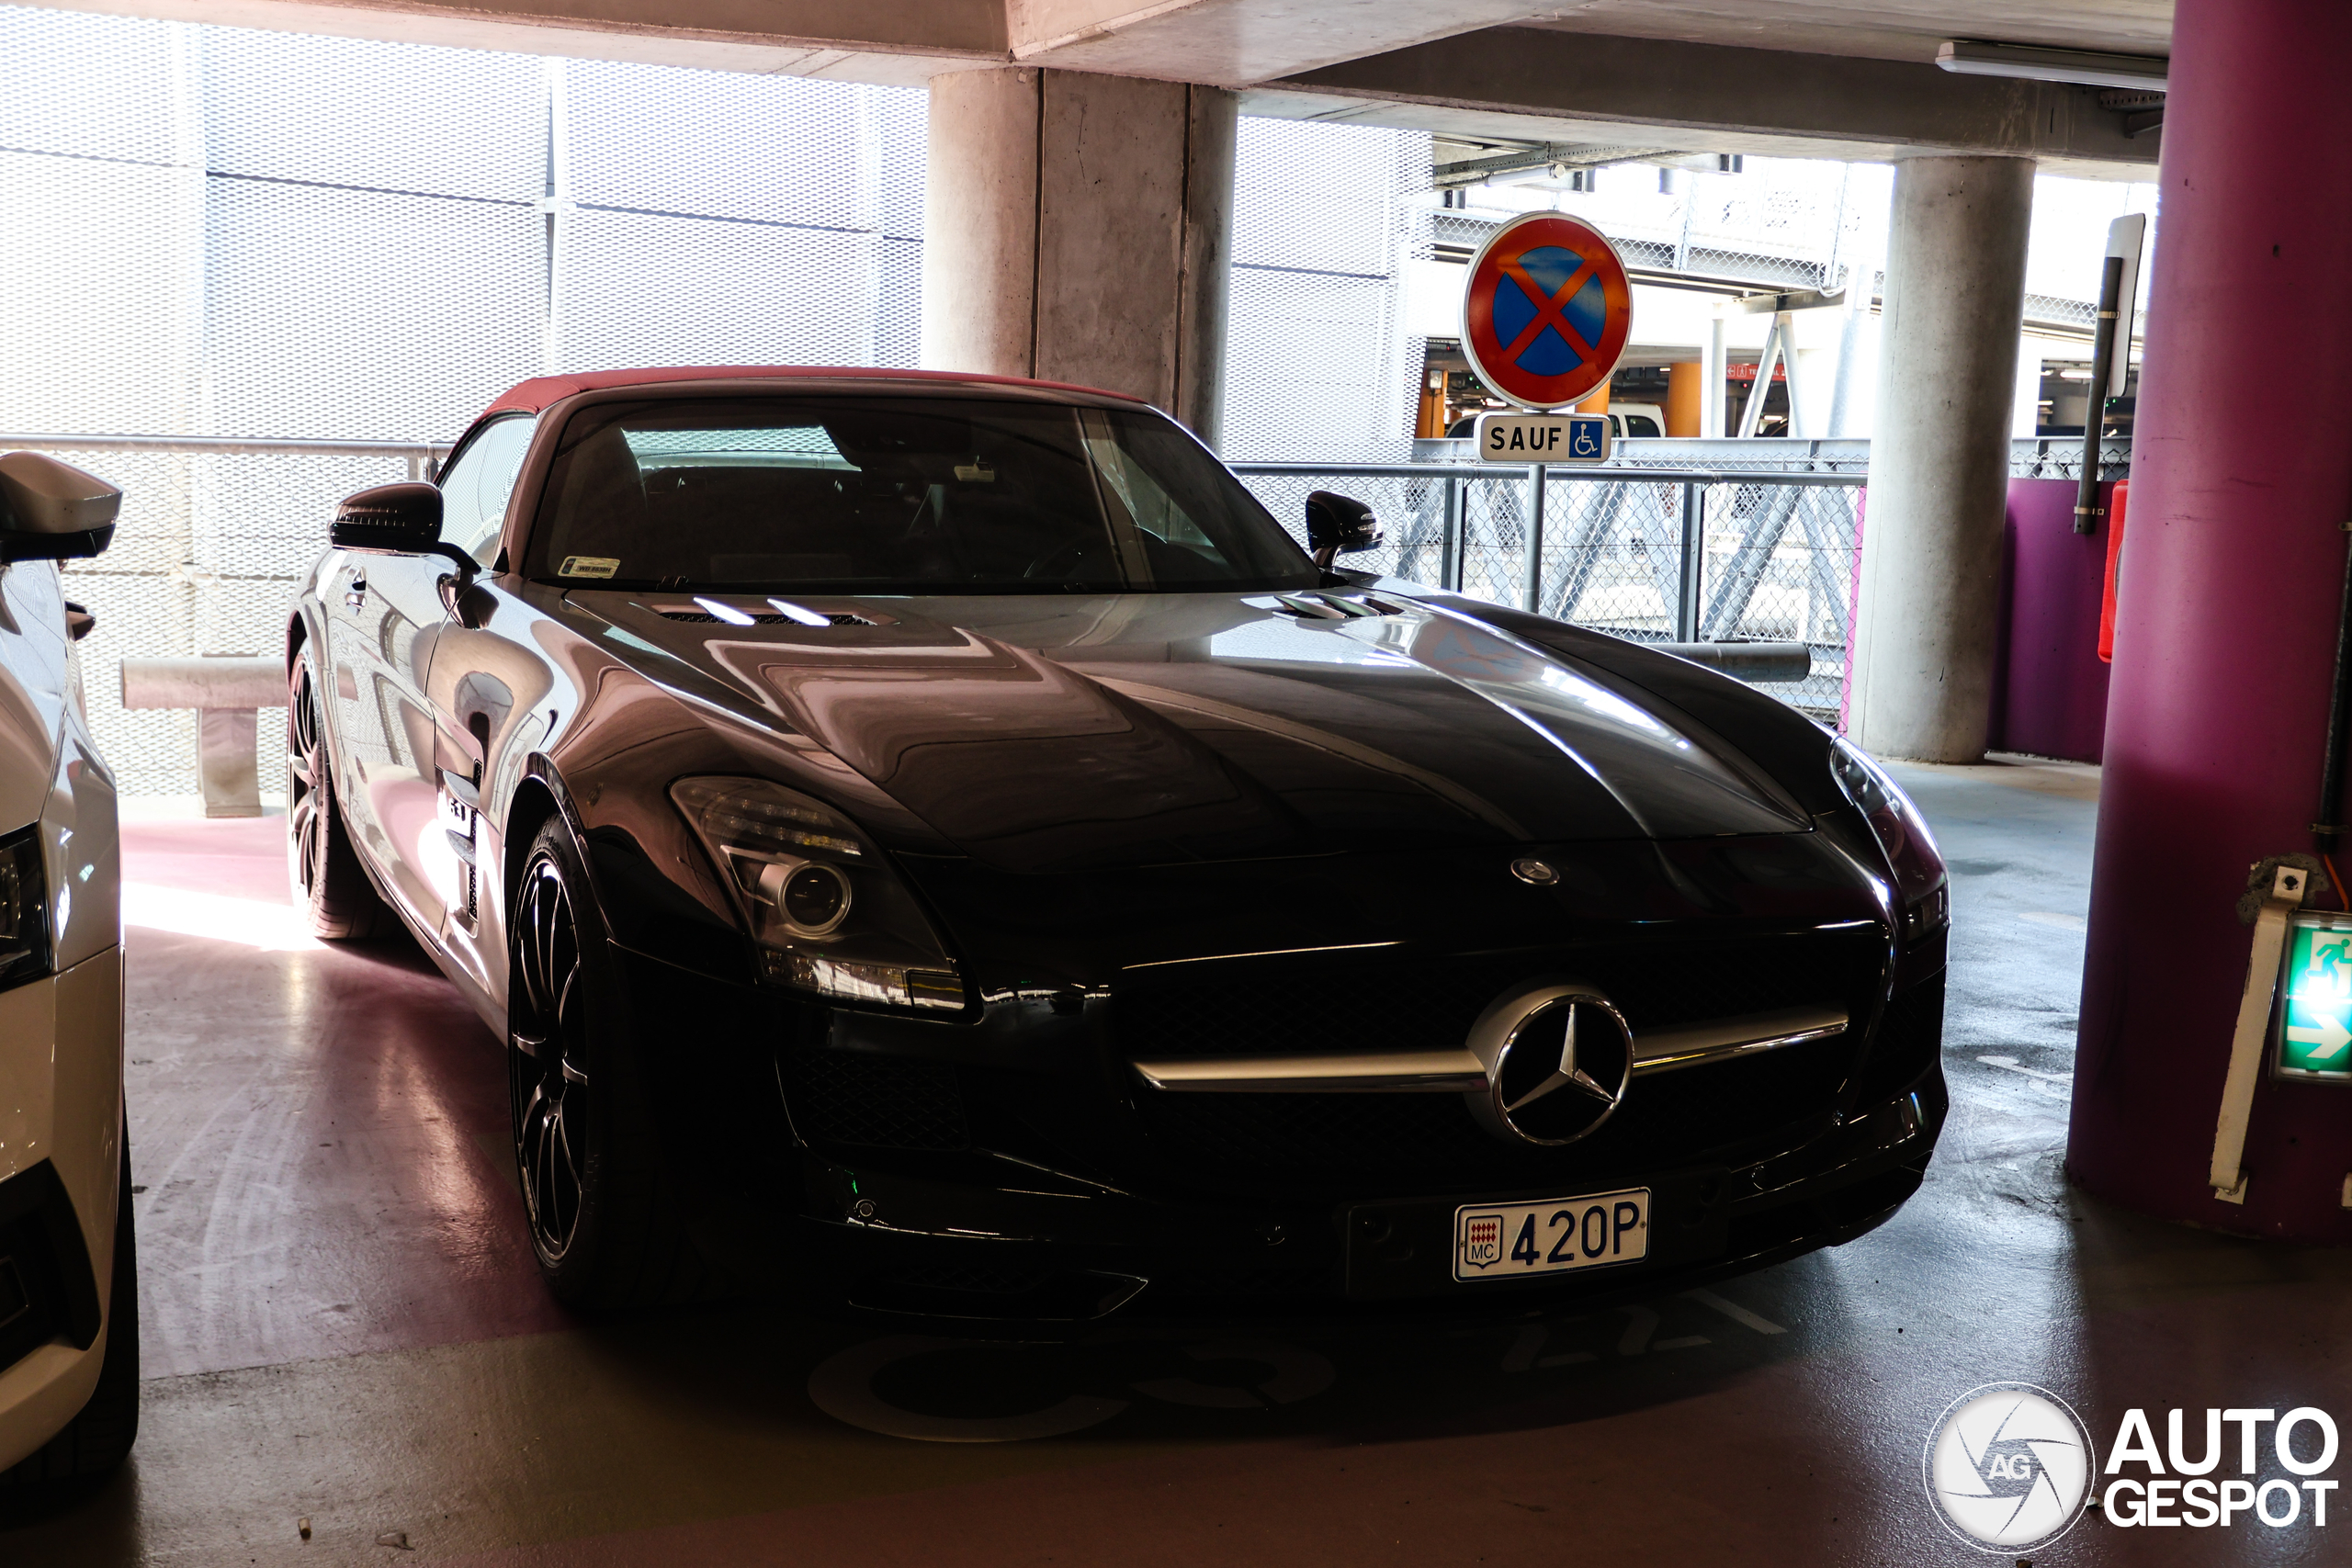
(53, 511)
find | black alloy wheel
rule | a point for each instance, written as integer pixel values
(596, 1192)
(324, 866)
(550, 1061)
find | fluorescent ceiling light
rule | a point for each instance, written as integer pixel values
(2035, 63)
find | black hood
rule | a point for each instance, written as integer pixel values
(1056, 733)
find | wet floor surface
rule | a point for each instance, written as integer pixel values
(342, 1324)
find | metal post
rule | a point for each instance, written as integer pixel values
(1532, 593)
(2088, 511)
(1449, 564)
(1751, 412)
(1712, 369)
(1694, 563)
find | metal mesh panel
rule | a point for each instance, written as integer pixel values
(776, 219)
(105, 87)
(384, 117)
(718, 285)
(328, 311)
(97, 329)
(717, 144)
(1316, 365)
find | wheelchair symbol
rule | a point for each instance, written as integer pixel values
(1584, 438)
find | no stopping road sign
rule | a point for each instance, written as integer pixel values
(1547, 311)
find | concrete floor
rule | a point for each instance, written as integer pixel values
(342, 1324)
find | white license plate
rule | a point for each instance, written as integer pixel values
(1510, 1241)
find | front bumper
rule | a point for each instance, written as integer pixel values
(60, 1126)
(980, 1232)
(899, 1241)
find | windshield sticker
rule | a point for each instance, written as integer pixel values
(975, 472)
(589, 565)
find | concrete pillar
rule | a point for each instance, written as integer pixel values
(1926, 631)
(2227, 606)
(1079, 228)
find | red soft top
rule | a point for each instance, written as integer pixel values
(537, 393)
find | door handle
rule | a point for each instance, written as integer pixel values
(355, 593)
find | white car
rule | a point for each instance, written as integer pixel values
(69, 1315)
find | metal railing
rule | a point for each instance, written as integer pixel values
(1654, 554)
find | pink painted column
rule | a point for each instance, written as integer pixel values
(2242, 473)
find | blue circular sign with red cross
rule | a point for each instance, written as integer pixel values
(1548, 311)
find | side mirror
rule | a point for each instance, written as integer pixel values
(52, 510)
(389, 520)
(1337, 522)
(402, 519)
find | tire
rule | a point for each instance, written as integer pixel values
(95, 1442)
(596, 1194)
(323, 865)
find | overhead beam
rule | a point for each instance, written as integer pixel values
(1232, 43)
(1541, 84)
(886, 43)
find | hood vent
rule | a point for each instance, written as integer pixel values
(759, 617)
(1332, 607)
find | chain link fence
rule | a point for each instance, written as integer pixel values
(1674, 555)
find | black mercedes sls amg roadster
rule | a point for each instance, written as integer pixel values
(937, 842)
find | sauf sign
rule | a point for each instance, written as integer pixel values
(2145, 1487)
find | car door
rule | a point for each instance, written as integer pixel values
(383, 613)
(476, 684)
(386, 614)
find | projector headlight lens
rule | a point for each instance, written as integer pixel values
(825, 910)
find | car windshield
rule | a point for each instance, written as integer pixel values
(883, 494)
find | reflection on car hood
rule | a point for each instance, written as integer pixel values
(1058, 732)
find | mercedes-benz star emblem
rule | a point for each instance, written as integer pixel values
(1557, 1058)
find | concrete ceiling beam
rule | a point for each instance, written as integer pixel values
(892, 43)
(1542, 84)
(1232, 43)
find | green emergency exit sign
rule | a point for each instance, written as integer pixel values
(2315, 1023)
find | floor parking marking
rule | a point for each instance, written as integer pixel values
(1735, 1311)
(842, 1387)
(2009, 1065)
(1641, 1324)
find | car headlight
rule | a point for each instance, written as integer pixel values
(24, 910)
(1921, 885)
(823, 907)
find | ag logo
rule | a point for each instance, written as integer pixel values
(2009, 1466)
